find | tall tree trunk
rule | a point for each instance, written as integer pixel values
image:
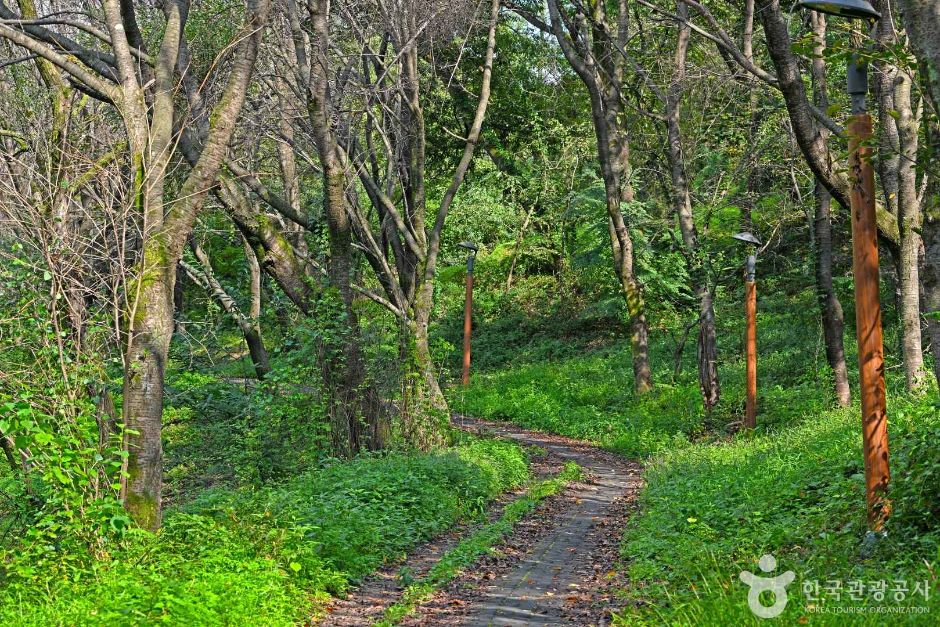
(682, 202)
(350, 400)
(599, 65)
(898, 140)
(922, 24)
(166, 228)
(150, 320)
(931, 262)
(833, 320)
(909, 227)
(753, 96)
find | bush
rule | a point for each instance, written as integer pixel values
(262, 557)
(371, 510)
(194, 572)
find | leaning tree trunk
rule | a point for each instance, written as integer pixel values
(248, 325)
(833, 320)
(599, 65)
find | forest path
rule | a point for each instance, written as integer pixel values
(557, 567)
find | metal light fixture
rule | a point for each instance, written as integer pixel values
(468, 311)
(750, 329)
(747, 238)
(868, 329)
(852, 9)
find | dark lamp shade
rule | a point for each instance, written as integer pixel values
(747, 238)
(854, 9)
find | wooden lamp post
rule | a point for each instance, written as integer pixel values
(468, 312)
(750, 329)
(865, 271)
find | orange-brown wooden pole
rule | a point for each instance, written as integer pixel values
(750, 351)
(868, 321)
(467, 326)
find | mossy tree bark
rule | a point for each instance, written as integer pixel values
(167, 225)
(899, 130)
(403, 247)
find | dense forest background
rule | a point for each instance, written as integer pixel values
(232, 291)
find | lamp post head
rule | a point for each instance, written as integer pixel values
(747, 238)
(852, 9)
(473, 248)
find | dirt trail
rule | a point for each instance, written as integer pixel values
(558, 567)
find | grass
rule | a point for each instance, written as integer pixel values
(476, 544)
(264, 557)
(710, 512)
(586, 398)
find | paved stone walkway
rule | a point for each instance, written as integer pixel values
(538, 590)
(555, 568)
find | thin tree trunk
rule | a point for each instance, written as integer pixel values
(753, 96)
(518, 247)
(350, 400)
(831, 309)
(833, 320)
(931, 262)
(909, 225)
(898, 140)
(682, 202)
(613, 152)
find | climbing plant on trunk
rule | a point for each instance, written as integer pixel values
(142, 89)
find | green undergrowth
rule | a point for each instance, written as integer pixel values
(710, 512)
(590, 395)
(586, 398)
(263, 557)
(475, 545)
